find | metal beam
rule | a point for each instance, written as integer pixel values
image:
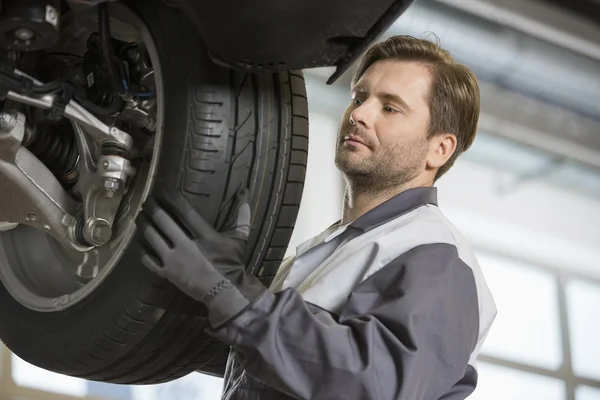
(566, 336)
(540, 125)
(540, 20)
(559, 374)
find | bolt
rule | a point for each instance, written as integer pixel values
(111, 184)
(24, 34)
(32, 217)
(101, 231)
(106, 164)
(7, 121)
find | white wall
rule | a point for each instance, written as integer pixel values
(322, 197)
(535, 222)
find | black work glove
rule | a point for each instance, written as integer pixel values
(203, 263)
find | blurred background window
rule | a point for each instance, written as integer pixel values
(583, 301)
(527, 327)
(500, 383)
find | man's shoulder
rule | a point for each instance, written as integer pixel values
(431, 229)
(441, 229)
(425, 225)
(424, 230)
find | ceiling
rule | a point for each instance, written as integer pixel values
(577, 30)
(588, 9)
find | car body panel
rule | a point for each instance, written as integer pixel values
(270, 35)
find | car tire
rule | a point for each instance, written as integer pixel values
(223, 129)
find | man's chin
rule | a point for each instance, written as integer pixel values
(352, 168)
(344, 161)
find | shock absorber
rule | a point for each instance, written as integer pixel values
(56, 147)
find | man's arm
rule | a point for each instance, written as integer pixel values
(407, 332)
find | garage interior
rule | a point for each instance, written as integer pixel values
(527, 196)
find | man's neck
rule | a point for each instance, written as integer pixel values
(358, 201)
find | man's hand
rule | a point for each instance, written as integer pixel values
(205, 264)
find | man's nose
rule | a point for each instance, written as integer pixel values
(362, 115)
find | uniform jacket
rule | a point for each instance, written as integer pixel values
(390, 306)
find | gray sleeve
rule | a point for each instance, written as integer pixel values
(406, 332)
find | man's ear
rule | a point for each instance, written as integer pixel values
(441, 148)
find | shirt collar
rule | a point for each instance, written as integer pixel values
(386, 211)
(396, 206)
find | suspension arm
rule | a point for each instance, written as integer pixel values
(75, 112)
(31, 195)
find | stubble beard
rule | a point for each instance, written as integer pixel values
(390, 168)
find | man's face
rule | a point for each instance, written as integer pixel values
(382, 141)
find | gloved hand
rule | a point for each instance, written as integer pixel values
(202, 262)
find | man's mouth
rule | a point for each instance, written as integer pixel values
(354, 140)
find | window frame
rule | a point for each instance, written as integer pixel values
(565, 371)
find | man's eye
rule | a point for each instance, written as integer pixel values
(389, 109)
(357, 101)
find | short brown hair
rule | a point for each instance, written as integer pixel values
(454, 95)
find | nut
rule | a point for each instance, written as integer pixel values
(111, 185)
(101, 231)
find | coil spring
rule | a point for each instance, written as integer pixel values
(56, 147)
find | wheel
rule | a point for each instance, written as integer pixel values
(217, 130)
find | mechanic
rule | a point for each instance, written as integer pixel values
(387, 303)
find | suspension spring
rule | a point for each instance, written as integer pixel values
(56, 147)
